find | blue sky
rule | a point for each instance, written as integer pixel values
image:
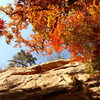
(8, 51)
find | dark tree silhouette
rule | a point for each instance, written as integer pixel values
(22, 59)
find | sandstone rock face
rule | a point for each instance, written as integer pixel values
(55, 80)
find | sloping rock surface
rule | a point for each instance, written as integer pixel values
(55, 80)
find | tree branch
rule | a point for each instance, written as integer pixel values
(5, 12)
(17, 62)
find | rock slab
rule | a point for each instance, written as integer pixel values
(55, 80)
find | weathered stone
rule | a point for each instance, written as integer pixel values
(55, 80)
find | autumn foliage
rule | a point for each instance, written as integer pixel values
(58, 25)
(2, 27)
(4, 32)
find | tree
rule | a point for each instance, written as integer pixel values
(2, 27)
(4, 32)
(58, 25)
(22, 59)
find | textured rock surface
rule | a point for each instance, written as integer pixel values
(49, 81)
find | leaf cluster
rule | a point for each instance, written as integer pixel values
(58, 25)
